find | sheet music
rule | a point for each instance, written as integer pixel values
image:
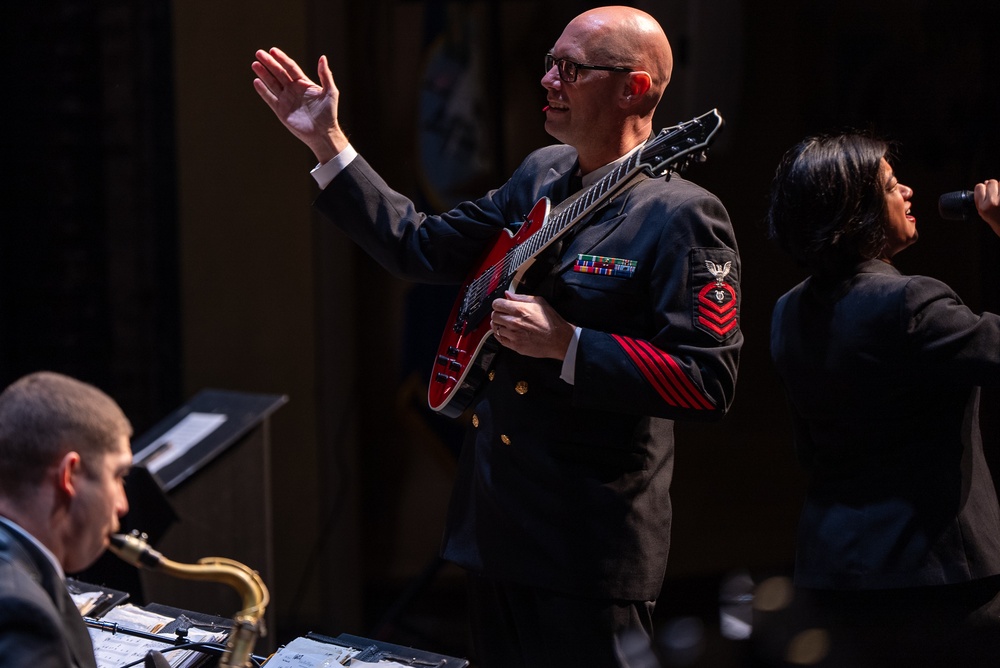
(118, 649)
(86, 601)
(309, 653)
(178, 441)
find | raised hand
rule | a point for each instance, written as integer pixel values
(307, 109)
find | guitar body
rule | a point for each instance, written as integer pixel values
(467, 346)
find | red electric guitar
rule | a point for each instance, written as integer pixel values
(467, 346)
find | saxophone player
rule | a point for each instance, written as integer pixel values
(64, 455)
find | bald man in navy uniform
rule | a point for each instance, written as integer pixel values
(561, 509)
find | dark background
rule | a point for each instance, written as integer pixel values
(156, 239)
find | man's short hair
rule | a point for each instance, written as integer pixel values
(45, 415)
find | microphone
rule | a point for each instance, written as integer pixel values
(959, 205)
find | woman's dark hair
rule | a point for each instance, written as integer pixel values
(828, 201)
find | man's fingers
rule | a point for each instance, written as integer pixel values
(325, 75)
(265, 77)
(265, 93)
(289, 67)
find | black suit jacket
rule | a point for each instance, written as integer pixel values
(565, 486)
(40, 626)
(883, 374)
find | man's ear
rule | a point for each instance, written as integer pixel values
(638, 84)
(70, 466)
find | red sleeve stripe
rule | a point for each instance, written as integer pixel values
(665, 375)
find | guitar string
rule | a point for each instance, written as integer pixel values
(482, 285)
(521, 253)
(516, 256)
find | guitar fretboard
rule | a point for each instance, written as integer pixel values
(501, 272)
(658, 157)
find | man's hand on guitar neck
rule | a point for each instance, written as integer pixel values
(528, 325)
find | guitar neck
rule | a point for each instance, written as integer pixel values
(573, 210)
(670, 150)
(467, 349)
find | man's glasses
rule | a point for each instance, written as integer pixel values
(568, 70)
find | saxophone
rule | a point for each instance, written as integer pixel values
(248, 623)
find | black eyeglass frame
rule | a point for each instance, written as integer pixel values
(563, 65)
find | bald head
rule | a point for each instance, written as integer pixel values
(605, 108)
(629, 37)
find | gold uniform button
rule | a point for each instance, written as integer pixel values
(521, 387)
(505, 439)
(492, 374)
(475, 420)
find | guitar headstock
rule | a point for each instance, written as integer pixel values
(674, 148)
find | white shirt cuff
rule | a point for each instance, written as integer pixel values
(568, 373)
(327, 171)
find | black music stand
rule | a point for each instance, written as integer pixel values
(211, 457)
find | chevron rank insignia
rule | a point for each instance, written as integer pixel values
(715, 308)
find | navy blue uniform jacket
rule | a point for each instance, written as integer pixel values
(565, 486)
(40, 626)
(883, 372)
